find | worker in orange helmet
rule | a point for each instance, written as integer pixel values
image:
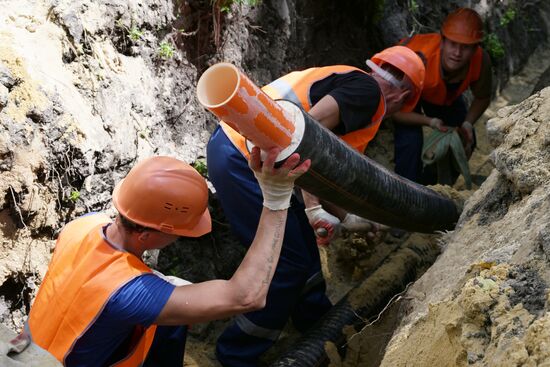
(100, 305)
(454, 62)
(351, 103)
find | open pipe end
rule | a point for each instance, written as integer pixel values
(218, 84)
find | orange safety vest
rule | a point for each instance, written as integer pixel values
(83, 274)
(295, 87)
(435, 91)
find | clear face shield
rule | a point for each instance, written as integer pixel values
(386, 75)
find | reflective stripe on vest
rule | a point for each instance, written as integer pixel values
(250, 328)
(83, 274)
(295, 87)
(435, 91)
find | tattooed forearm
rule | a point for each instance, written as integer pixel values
(277, 234)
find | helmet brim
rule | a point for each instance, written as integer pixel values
(203, 226)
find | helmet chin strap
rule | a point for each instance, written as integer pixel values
(386, 75)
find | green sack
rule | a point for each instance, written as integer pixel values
(445, 150)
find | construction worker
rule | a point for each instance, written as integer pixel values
(100, 305)
(349, 102)
(454, 62)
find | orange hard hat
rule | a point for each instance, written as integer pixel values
(463, 25)
(406, 60)
(166, 194)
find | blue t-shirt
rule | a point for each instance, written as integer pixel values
(131, 309)
(135, 306)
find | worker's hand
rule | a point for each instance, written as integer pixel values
(466, 130)
(375, 232)
(277, 183)
(355, 223)
(438, 124)
(325, 225)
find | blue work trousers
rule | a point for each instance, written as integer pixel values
(168, 347)
(409, 141)
(297, 290)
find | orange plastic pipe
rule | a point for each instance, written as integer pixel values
(236, 100)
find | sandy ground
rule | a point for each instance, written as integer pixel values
(374, 338)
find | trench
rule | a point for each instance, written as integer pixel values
(352, 260)
(330, 32)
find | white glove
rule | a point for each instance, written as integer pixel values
(276, 183)
(438, 124)
(276, 190)
(355, 223)
(325, 225)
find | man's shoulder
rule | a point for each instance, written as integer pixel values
(84, 224)
(90, 219)
(356, 74)
(420, 38)
(140, 300)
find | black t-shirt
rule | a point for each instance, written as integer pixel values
(357, 95)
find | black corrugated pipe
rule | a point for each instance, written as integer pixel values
(338, 173)
(358, 184)
(361, 303)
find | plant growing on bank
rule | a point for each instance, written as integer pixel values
(200, 166)
(509, 16)
(135, 34)
(494, 46)
(74, 196)
(225, 5)
(492, 42)
(413, 6)
(166, 50)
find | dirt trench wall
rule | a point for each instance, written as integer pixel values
(77, 108)
(285, 35)
(485, 301)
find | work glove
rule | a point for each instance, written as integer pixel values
(375, 231)
(277, 184)
(438, 124)
(355, 223)
(325, 225)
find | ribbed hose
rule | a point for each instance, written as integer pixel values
(361, 186)
(362, 302)
(338, 174)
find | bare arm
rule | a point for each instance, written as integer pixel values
(481, 89)
(478, 106)
(247, 288)
(326, 112)
(412, 118)
(245, 291)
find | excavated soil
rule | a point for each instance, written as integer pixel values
(446, 346)
(485, 301)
